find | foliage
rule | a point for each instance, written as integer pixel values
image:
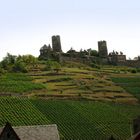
(133, 71)
(19, 66)
(13, 63)
(93, 65)
(94, 53)
(8, 62)
(28, 59)
(53, 66)
(71, 51)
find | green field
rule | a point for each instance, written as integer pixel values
(84, 120)
(130, 84)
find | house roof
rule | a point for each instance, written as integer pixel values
(135, 137)
(37, 132)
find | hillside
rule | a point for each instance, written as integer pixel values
(85, 102)
(76, 82)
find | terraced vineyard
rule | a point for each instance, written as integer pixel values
(130, 84)
(11, 83)
(73, 83)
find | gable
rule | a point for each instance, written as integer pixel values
(37, 132)
(8, 133)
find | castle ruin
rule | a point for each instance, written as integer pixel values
(113, 58)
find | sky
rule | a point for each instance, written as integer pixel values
(26, 25)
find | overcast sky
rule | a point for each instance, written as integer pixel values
(26, 25)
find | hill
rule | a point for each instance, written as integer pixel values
(85, 102)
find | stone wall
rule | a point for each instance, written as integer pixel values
(133, 63)
(85, 60)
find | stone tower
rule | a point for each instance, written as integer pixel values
(102, 48)
(56, 43)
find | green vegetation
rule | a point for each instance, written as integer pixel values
(130, 84)
(12, 63)
(53, 66)
(20, 111)
(17, 83)
(75, 119)
(89, 120)
(70, 82)
(80, 115)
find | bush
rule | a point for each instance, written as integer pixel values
(19, 67)
(93, 65)
(133, 71)
(53, 66)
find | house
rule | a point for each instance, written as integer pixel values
(37, 132)
(135, 137)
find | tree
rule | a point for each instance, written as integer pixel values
(53, 66)
(8, 61)
(94, 53)
(71, 51)
(19, 66)
(28, 60)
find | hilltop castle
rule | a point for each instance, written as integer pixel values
(100, 57)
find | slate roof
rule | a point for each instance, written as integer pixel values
(37, 132)
(135, 137)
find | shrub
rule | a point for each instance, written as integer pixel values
(133, 71)
(53, 66)
(19, 67)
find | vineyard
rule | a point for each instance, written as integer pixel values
(89, 120)
(83, 113)
(130, 84)
(17, 83)
(82, 120)
(20, 111)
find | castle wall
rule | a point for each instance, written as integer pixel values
(130, 63)
(117, 59)
(133, 63)
(85, 60)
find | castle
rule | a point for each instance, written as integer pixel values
(99, 57)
